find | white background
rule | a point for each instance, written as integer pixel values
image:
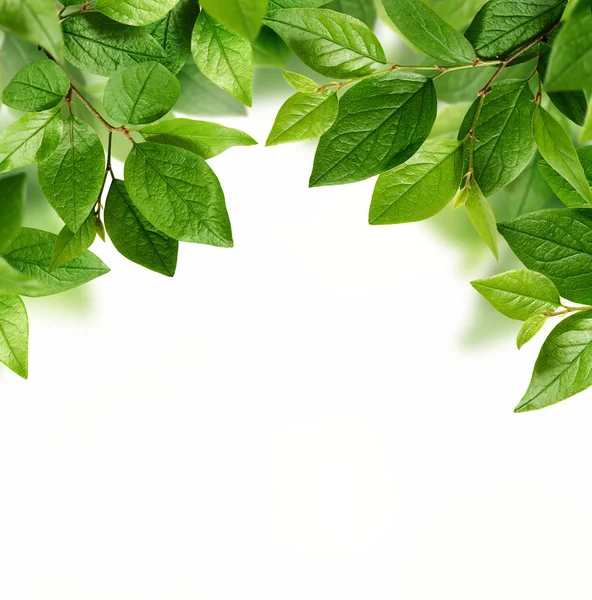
(301, 417)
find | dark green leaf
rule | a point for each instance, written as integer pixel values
(245, 17)
(529, 329)
(69, 246)
(12, 205)
(135, 12)
(14, 335)
(572, 104)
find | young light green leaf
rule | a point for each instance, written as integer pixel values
(14, 335)
(382, 122)
(461, 197)
(519, 294)
(504, 143)
(360, 9)
(570, 64)
(135, 12)
(501, 27)
(224, 57)
(482, 217)
(245, 17)
(71, 178)
(527, 193)
(173, 33)
(421, 187)
(30, 253)
(35, 21)
(141, 93)
(428, 31)
(557, 149)
(12, 205)
(201, 137)
(331, 43)
(30, 140)
(530, 328)
(564, 190)
(135, 237)
(564, 365)
(69, 246)
(38, 86)
(269, 50)
(300, 83)
(178, 193)
(556, 242)
(304, 117)
(13, 282)
(97, 44)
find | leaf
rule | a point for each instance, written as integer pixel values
(135, 237)
(300, 83)
(30, 140)
(279, 4)
(12, 205)
(201, 137)
(564, 366)
(223, 57)
(135, 12)
(461, 197)
(333, 44)
(72, 177)
(530, 328)
(35, 21)
(97, 44)
(14, 335)
(570, 64)
(519, 294)
(178, 193)
(502, 27)
(556, 242)
(38, 86)
(30, 253)
(562, 188)
(586, 135)
(360, 9)
(572, 104)
(557, 149)
(482, 217)
(99, 227)
(269, 50)
(13, 282)
(69, 246)
(504, 145)
(429, 32)
(382, 122)
(304, 117)
(173, 33)
(421, 187)
(245, 17)
(141, 93)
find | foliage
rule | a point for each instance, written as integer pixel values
(493, 104)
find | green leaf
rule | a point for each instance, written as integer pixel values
(141, 93)
(530, 328)
(300, 83)
(570, 64)
(12, 205)
(35, 21)
(564, 366)
(502, 27)
(99, 227)
(223, 57)
(482, 217)
(572, 104)
(527, 193)
(38, 86)
(558, 243)
(30, 140)
(14, 335)
(586, 135)
(31, 252)
(245, 17)
(421, 187)
(173, 33)
(304, 117)
(201, 137)
(178, 193)
(382, 122)
(269, 49)
(429, 32)
(519, 294)
(69, 246)
(280, 4)
(97, 44)
(360, 9)
(72, 177)
(557, 149)
(135, 12)
(331, 43)
(135, 237)
(504, 145)
(461, 197)
(14, 282)
(562, 188)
